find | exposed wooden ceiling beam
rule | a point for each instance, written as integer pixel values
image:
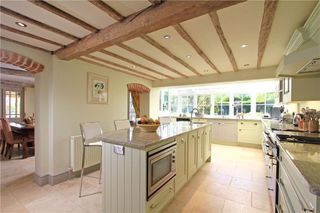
(168, 53)
(106, 8)
(112, 68)
(37, 23)
(216, 23)
(16, 83)
(14, 72)
(24, 44)
(134, 63)
(270, 7)
(62, 14)
(120, 66)
(164, 15)
(188, 38)
(142, 55)
(13, 30)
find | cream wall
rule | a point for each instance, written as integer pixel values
(43, 95)
(29, 101)
(61, 105)
(70, 106)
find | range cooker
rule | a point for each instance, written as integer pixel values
(271, 153)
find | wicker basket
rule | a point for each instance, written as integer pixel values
(148, 127)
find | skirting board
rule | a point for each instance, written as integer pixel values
(53, 180)
(249, 145)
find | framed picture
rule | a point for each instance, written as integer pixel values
(97, 89)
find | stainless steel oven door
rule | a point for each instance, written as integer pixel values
(161, 167)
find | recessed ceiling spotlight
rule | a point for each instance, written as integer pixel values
(206, 70)
(245, 65)
(20, 24)
(188, 56)
(243, 45)
(166, 36)
(133, 66)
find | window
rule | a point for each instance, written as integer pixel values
(242, 103)
(187, 104)
(132, 112)
(13, 104)
(164, 100)
(204, 104)
(264, 102)
(221, 104)
(174, 103)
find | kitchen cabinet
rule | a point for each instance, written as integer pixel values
(207, 142)
(249, 132)
(200, 147)
(162, 198)
(181, 161)
(192, 153)
(301, 89)
(224, 131)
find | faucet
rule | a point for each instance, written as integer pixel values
(192, 111)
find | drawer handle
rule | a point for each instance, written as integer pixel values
(182, 141)
(256, 124)
(241, 123)
(193, 136)
(154, 205)
(239, 130)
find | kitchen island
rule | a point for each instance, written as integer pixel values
(142, 171)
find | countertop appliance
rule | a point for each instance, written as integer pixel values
(161, 167)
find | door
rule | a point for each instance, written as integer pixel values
(192, 153)
(200, 147)
(181, 161)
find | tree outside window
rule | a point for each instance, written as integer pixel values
(164, 100)
(221, 104)
(204, 104)
(187, 104)
(242, 103)
(265, 102)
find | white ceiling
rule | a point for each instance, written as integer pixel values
(240, 24)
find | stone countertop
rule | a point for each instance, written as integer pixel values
(306, 157)
(135, 138)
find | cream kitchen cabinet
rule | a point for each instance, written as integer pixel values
(250, 132)
(200, 147)
(192, 153)
(224, 131)
(301, 89)
(181, 161)
(207, 142)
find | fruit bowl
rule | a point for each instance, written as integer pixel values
(148, 127)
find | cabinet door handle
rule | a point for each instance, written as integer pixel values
(239, 130)
(193, 136)
(256, 124)
(241, 123)
(182, 141)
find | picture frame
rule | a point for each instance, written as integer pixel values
(97, 88)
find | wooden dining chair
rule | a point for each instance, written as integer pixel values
(2, 139)
(12, 139)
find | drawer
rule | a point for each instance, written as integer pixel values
(249, 136)
(249, 124)
(283, 205)
(162, 198)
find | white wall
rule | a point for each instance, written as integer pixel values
(29, 101)
(70, 106)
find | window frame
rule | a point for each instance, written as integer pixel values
(3, 99)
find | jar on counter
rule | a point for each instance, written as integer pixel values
(313, 126)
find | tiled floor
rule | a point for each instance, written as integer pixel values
(233, 182)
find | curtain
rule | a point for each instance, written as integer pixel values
(136, 102)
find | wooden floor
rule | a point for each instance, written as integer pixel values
(233, 182)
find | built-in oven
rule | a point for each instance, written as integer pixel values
(161, 167)
(270, 151)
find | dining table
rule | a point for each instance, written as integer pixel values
(26, 131)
